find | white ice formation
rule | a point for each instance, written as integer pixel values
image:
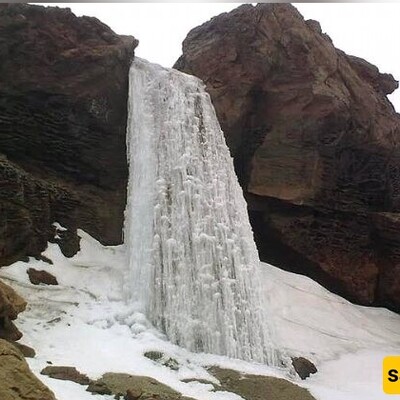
(193, 264)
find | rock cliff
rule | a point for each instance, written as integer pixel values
(315, 143)
(314, 139)
(63, 95)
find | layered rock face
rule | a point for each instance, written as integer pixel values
(63, 94)
(315, 143)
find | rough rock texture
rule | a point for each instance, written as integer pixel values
(11, 304)
(258, 387)
(66, 374)
(315, 143)
(38, 276)
(17, 382)
(63, 95)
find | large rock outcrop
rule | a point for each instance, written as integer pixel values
(63, 96)
(315, 143)
(17, 382)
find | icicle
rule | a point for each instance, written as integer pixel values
(193, 264)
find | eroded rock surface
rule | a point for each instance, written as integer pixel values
(17, 382)
(63, 95)
(315, 143)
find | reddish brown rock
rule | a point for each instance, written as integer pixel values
(63, 95)
(39, 276)
(315, 143)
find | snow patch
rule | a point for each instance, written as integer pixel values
(84, 322)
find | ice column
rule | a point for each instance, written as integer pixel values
(193, 264)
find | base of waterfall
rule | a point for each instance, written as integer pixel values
(83, 322)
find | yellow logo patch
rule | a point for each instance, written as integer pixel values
(391, 375)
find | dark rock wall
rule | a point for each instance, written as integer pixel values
(315, 143)
(63, 96)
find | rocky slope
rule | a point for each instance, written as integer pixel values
(17, 381)
(315, 143)
(63, 94)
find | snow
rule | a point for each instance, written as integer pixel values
(85, 322)
(315, 323)
(351, 377)
(192, 261)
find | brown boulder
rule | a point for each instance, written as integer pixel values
(303, 367)
(11, 304)
(17, 382)
(37, 277)
(133, 387)
(63, 95)
(315, 143)
(66, 374)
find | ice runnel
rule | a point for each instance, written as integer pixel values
(193, 264)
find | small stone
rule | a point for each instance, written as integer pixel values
(37, 277)
(160, 357)
(66, 374)
(303, 367)
(172, 364)
(154, 355)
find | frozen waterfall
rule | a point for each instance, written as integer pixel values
(193, 264)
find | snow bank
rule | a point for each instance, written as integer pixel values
(85, 323)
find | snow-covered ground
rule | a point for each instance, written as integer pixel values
(85, 323)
